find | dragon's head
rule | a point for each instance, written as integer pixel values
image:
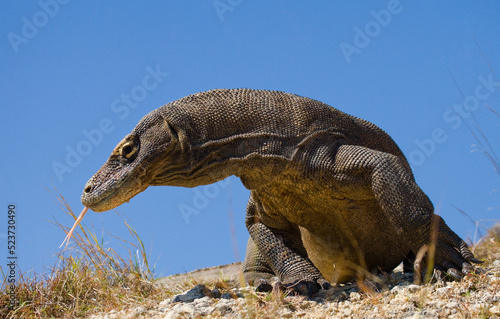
(133, 164)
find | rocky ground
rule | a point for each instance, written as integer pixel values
(217, 293)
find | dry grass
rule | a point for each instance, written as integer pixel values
(91, 279)
(87, 278)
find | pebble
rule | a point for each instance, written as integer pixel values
(223, 307)
(355, 296)
(286, 313)
(347, 312)
(181, 309)
(442, 291)
(226, 295)
(199, 291)
(404, 300)
(452, 305)
(203, 302)
(495, 310)
(206, 311)
(413, 288)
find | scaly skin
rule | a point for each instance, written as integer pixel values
(331, 195)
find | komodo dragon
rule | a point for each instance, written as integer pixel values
(330, 194)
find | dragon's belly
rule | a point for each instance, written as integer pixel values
(341, 235)
(342, 259)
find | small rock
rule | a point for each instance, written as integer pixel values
(416, 315)
(487, 298)
(406, 307)
(204, 311)
(203, 302)
(286, 313)
(165, 302)
(413, 288)
(246, 289)
(442, 290)
(452, 305)
(355, 296)
(138, 311)
(224, 302)
(306, 304)
(199, 291)
(397, 289)
(318, 300)
(495, 310)
(180, 310)
(347, 312)
(226, 295)
(215, 293)
(223, 306)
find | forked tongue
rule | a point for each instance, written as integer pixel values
(77, 221)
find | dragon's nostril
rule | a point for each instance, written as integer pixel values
(88, 189)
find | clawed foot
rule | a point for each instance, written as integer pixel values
(304, 287)
(454, 261)
(453, 258)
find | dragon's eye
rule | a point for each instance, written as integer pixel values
(128, 150)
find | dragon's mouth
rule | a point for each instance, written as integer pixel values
(120, 193)
(104, 204)
(123, 194)
(101, 197)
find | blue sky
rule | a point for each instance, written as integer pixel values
(76, 77)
